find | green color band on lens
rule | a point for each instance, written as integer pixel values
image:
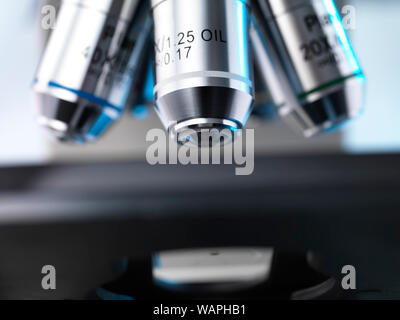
(329, 84)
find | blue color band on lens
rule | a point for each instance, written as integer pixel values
(87, 96)
(100, 126)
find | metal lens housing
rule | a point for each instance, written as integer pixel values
(318, 81)
(86, 72)
(203, 78)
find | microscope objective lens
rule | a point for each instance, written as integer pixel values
(89, 66)
(203, 73)
(205, 65)
(307, 62)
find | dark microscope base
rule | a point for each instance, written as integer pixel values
(84, 219)
(290, 275)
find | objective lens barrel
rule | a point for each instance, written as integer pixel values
(318, 79)
(264, 106)
(203, 78)
(144, 97)
(83, 72)
(130, 82)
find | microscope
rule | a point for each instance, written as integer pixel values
(214, 64)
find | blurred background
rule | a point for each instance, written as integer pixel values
(22, 141)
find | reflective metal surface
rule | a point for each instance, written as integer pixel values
(89, 65)
(203, 77)
(212, 269)
(318, 80)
